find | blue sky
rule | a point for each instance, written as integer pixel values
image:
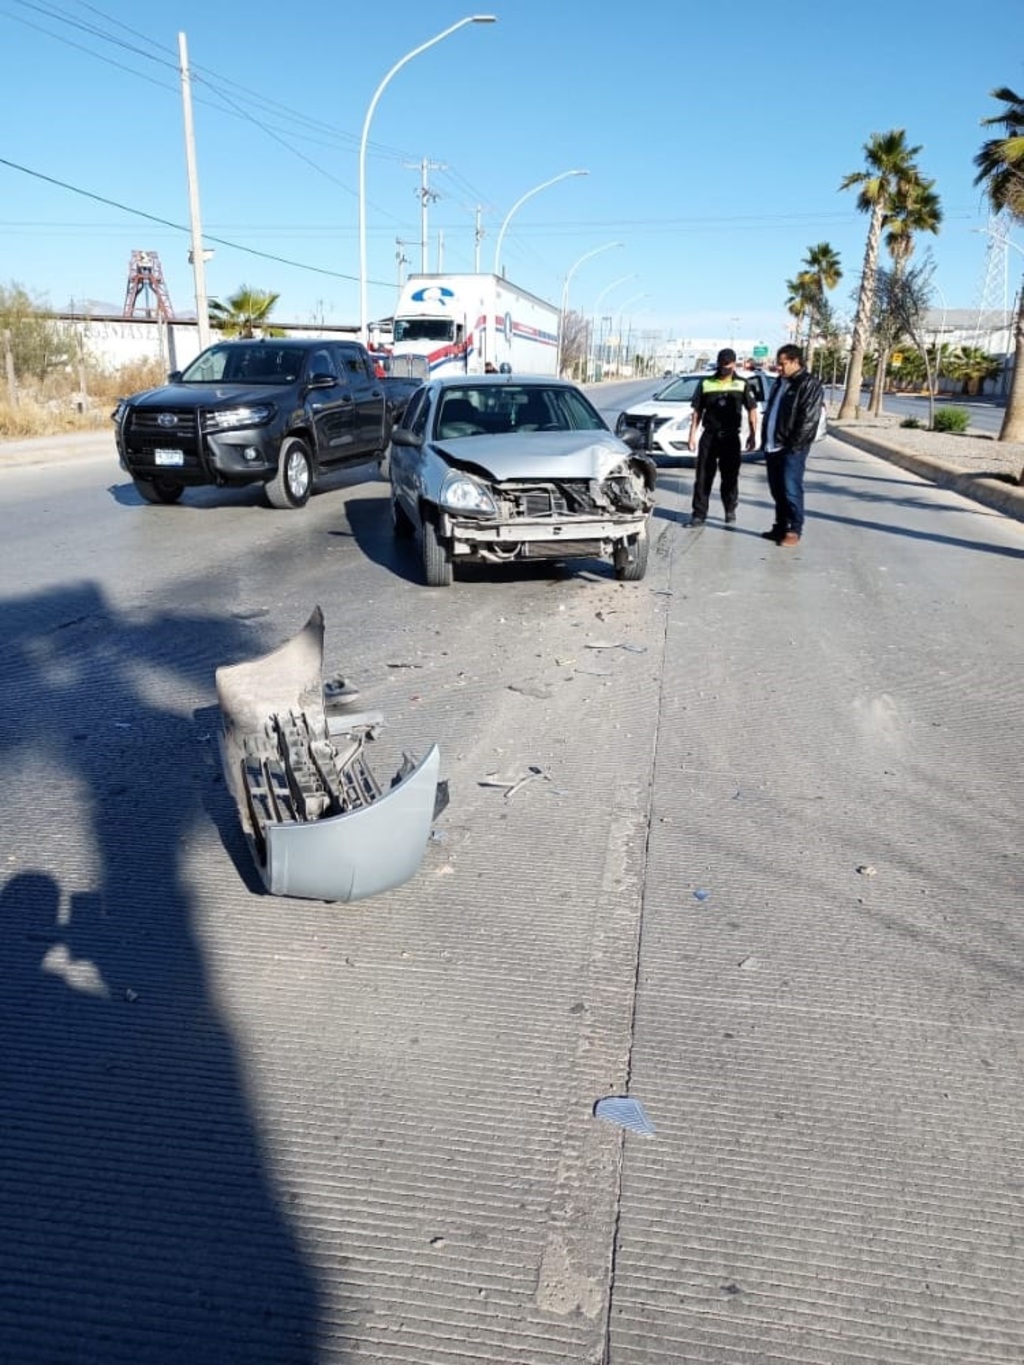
(714, 142)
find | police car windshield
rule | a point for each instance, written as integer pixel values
(681, 390)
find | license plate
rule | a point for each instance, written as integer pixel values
(173, 457)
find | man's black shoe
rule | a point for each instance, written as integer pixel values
(773, 534)
(730, 517)
(695, 521)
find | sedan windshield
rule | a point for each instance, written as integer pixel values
(502, 409)
(234, 363)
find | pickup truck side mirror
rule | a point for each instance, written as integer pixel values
(174, 377)
(321, 381)
(402, 436)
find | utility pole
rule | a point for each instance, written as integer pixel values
(12, 384)
(478, 236)
(198, 256)
(427, 196)
(401, 258)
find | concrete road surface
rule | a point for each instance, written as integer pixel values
(766, 880)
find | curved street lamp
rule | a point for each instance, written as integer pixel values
(608, 289)
(470, 19)
(565, 294)
(635, 298)
(605, 292)
(521, 201)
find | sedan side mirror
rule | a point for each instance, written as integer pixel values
(402, 436)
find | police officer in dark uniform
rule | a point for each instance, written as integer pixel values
(718, 405)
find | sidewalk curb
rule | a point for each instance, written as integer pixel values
(1002, 497)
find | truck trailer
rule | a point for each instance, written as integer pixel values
(465, 324)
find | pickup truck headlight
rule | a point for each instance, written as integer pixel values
(117, 416)
(463, 494)
(229, 419)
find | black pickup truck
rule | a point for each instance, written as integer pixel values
(277, 411)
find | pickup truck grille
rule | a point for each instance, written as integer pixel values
(144, 434)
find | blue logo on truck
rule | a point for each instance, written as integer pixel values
(433, 293)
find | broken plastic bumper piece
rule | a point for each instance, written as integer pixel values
(318, 823)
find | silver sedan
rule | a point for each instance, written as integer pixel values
(503, 467)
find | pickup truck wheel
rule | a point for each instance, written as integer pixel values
(437, 558)
(630, 557)
(293, 482)
(159, 490)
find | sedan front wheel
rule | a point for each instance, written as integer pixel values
(630, 556)
(437, 557)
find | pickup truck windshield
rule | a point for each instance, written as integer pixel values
(230, 363)
(424, 329)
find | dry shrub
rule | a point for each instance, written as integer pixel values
(137, 375)
(56, 405)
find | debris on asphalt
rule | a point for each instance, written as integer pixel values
(866, 870)
(616, 644)
(542, 691)
(401, 663)
(749, 964)
(701, 894)
(510, 788)
(626, 1112)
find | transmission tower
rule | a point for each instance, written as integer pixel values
(993, 301)
(146, 282)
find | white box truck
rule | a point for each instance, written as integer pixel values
(464, 324)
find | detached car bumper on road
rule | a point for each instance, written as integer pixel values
(318, 823)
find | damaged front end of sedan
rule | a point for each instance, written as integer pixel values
(603, 514)
(318, 823)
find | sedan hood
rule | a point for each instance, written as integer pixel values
(659, 408)
(204, 395)
(539, 454)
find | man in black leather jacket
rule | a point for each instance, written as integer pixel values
(790, 426)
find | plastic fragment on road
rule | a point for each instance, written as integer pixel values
(866, 870)
(509, 789)
(626, 1112)
(318, 823)
(701, 895)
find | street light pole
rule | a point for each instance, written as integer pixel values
(521, 201)
(635, 298)
(197, 255)
(363, 305)
(565, 295)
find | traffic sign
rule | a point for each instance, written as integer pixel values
(759, 352)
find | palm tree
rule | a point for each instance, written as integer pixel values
(916, 208)
(1000, 164)
(801, 298)
(245, 314)
(890, 165)
(971, 366)
(821, 265)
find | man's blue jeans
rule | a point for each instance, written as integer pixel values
(786, 484)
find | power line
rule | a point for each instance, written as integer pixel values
(179, 227)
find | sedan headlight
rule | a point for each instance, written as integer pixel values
(228, 419)
(463, 494)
